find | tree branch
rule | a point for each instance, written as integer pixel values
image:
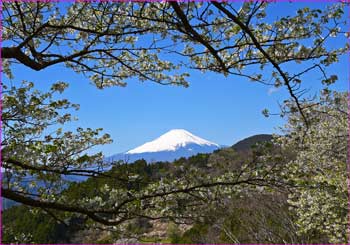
(196, 36)
(54, 205)
(266, 55)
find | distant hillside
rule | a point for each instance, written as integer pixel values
(247, 143)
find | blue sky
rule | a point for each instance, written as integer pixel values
(222, 110)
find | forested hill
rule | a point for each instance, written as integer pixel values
(247, 143)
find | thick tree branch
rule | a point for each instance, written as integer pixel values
(16, 53)
(54, 205)
(196, 36)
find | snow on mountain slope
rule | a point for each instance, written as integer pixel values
(172, 145)
(171, 141)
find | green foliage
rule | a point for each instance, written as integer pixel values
(35, 225)
(107, 240)
(195, 234)
(174, 234)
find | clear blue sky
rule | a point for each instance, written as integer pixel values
(222, 110)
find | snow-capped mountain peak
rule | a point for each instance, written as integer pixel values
(171, 141)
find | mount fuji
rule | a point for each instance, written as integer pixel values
(172, 145)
